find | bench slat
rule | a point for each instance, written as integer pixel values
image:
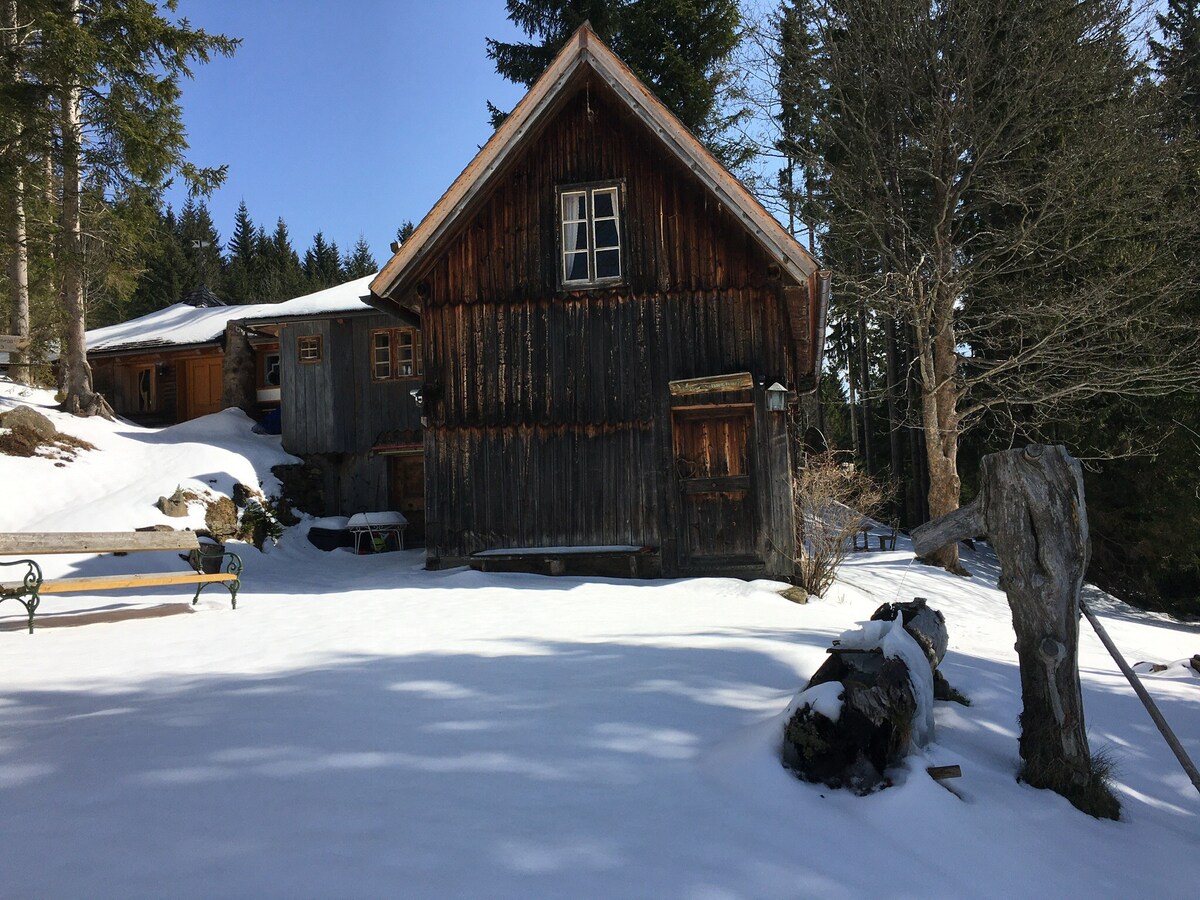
(116, 582)
(44, 542)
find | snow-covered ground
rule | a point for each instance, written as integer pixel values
(361, 727)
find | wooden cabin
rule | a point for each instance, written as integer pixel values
(340, 374)
(167, 366)
(604, 310)
(347, 374)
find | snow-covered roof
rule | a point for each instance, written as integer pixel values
(342, 298)
(179, 325)
(183, 325)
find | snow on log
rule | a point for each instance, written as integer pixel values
(870, 701)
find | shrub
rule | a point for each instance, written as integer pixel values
(831, 499)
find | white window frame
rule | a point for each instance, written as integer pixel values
(589, 192)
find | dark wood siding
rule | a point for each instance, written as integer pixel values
(549, 414)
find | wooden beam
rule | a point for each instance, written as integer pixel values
(83, 584)
(741, 381)
(37, 543)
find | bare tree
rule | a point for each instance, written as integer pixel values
(995, 162)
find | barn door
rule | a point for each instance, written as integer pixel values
(204, 386)
(718, 520)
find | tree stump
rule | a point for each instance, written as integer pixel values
(1031, 508)
(869, 701)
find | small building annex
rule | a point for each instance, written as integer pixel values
(603, 309)
(339, 373)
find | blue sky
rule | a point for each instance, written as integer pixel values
(345, 117)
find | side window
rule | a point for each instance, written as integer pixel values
(381, 355)
(270, 370)
(308, 348)
(395, 353)
(590, 222)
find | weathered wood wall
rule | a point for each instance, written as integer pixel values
(549, 418)
(334, 413)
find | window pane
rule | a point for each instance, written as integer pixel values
(381, 356)
(577, 267)
(604, 203)
(404, 353)
(574, 207)
(271, 369)
(608, 263)
(575, 237)
(606, 234)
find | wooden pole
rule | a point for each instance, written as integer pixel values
(1151, 707)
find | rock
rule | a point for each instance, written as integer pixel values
(221, 519)
(243, 494)
(155, 527)
(175, 506)
(29, 420)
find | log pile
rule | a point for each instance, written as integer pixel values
(870, 701)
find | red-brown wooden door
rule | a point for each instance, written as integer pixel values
(714, 468)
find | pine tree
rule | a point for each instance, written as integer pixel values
(282, 275)
(113, 71)
(322, 264)
(360, 263)
(201, 247)
(162, 283)
(1177, 58)
(677, 47)
(242, 271)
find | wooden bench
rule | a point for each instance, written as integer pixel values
(210, 565)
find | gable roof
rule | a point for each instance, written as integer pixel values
(586, 50)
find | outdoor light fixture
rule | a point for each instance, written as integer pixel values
(777, 398)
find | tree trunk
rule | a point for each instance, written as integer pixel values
(1032, 510)
(18, 260)
(75, 374)
(893, 417)
(864, 380)
(18, 280)
(938, 360)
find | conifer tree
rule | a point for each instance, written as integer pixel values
(201, 247)
(283, 277)
(111, 71)
(242, 271)
(322, 264)
(677, 47)
(360, 263)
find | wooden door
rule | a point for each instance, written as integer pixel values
(406, 493)
(205, 383)
(714, 468)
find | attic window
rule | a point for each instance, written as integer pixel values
(590, 217)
